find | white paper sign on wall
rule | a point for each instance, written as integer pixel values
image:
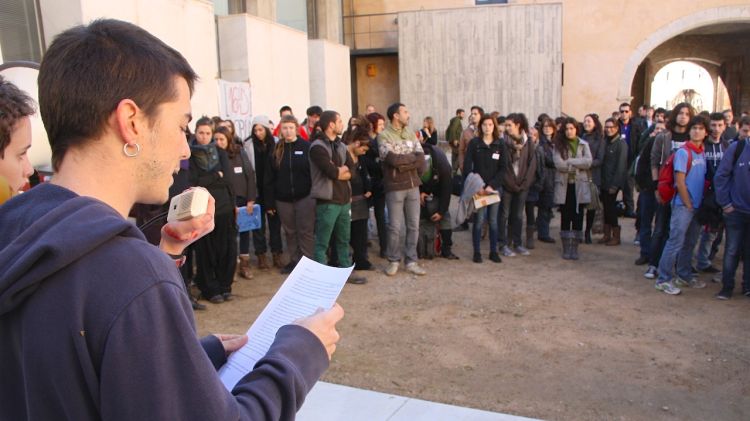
(235, 103)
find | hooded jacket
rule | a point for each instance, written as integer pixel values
(95, 324)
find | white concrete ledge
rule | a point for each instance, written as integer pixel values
(332, 402)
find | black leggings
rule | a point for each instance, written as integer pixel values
(571, 218)
(609, 202)
(358, 241)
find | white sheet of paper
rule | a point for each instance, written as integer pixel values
(309, 287)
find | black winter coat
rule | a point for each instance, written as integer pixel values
(486, 160)
(290, 180)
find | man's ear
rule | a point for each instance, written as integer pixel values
(128, 121)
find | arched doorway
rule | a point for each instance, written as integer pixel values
(710, 38)
(684, 81)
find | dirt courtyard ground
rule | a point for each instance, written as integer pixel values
(534, 336)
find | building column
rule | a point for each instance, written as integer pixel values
(265, 9)
(325, 20)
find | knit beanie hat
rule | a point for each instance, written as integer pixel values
(262, 120)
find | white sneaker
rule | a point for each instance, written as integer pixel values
(523, 251)
(392, 268)
(507, 252)
(667, 288)
(414, 268)
(651, 272)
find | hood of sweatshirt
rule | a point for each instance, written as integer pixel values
(47, 229)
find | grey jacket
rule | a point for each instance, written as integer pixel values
(322, 183)
(663, 147)
(579, 165)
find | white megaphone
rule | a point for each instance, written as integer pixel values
(24, 74)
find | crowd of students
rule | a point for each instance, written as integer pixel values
(523, 171)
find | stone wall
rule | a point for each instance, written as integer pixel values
(499, 58)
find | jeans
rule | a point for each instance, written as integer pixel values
(403, 209)
(530, 216)
(661, 232)
(647, 208)
(737, 246)
(490, 213)
(627, 195)
(378, 204)
(511, 218)
(543, 219)
(358, 241)
(704, 248)
(333, 218)
(683, 232)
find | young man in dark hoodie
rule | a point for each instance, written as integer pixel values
(710, 215)
(732, 183)
(95, 322)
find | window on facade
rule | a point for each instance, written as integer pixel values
(19, 31)
(292, 13)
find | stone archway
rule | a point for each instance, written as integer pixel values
(713, 16)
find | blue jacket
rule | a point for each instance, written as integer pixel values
(732, 179)
(95, 324)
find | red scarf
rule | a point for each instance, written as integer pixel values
(692, 147)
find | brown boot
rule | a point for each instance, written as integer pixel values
(244, 267)
(263, 262)
(530, 238)
(607, 235)
(615, 240)
(277, 262)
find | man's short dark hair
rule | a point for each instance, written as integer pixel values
(660, 110)
(744, 121)
(393, 110)
(314, 110)
(478, 108)
(698, 120)
(204, 121)
(14, 105)
(716, 117)
(285, 108)
(89, 69)
(460, 111)
(326, 118)
(625, 104)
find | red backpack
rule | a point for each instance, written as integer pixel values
(666, 187)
